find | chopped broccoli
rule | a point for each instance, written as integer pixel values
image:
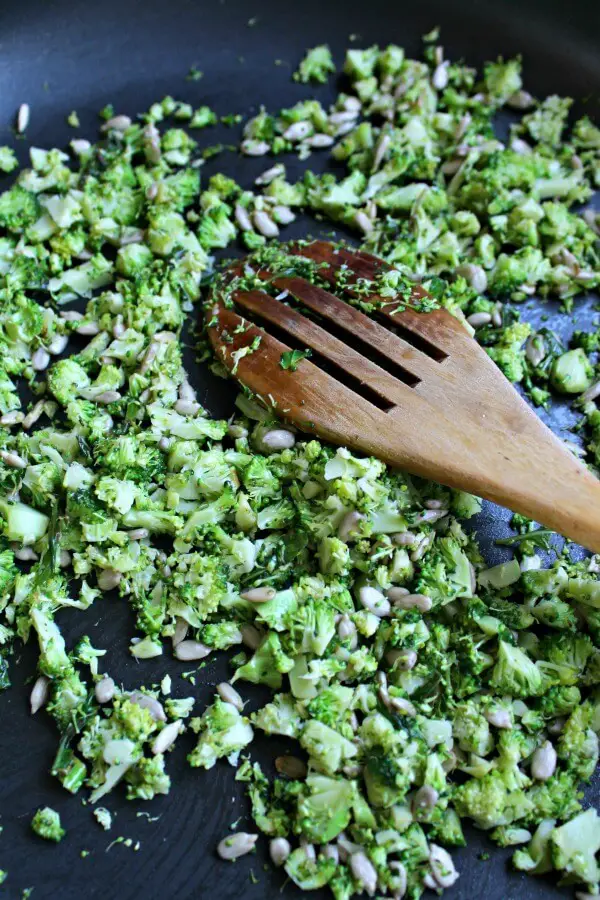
(46, 824)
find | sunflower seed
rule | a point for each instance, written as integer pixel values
(520, 100)
(380, 151)
(278, 439)
(26, 554)
(109, 579)
(330, 851)
(543, 762)
(105, 690)
(498, 717)
(430, 516)
(40, 360)
(80, 145)
(451, 166)
(237, 431)
(181, 630)
(138, 534)
(424, 800)
(254, 148)
(403, 659)
(64, 559)
(297, 131)
(439, 79)
(228, 694)
(265, 224)
(399, 879)
(283, 215)
(320, 141)
(259, 594)
(167, 737)
(58, 344)
(404, 538)
(436, 504)
(33, 415)
(477, 320)
(518, 145)
(11, 418)
(107, 397)
(362, 221)
(154, 706)
(348, 524)
(592, 392)
(236, 845)
(442, 866)
(364, 872)
(39, 694)
(270, 175)
(23, 116)
(242, 218)
(374, 601)
(410, 601)
(189, 651)
(88, 329)
(12, 459)
(346, 628)
(535, 350)
(251, 637)
(279, 850)
(187, 407)
(117, 123)
(352, 104)
(340, 118)
(291, 766)
(151, 137)
(402, 705)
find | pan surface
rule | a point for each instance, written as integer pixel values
(59, 56)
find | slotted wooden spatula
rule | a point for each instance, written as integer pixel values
(412, 388)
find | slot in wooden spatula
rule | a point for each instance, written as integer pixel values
(412, 388)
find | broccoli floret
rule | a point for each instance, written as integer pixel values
(66, 379)
(325, 809)
(23, 524)
(565, 656)
(471, 729)
(223, 731)
(279, 717)
(545, 125)
(309, 874)
(509, 354)
(316, 65)
(46, 824)
(267, 664)
(502, 79)
(578, 744)
(327, 748)
(574, 845)
(515, 673)
(386, 780)
(147, 778)
(361, 63)
(18, 209)
(216, 228)
(572, 372)
(8, 160)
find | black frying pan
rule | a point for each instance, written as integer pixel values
(59, 56)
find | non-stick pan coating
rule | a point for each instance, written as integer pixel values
(59, 56)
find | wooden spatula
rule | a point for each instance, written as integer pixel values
(412, 388)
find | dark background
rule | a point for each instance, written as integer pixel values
(59, 56)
